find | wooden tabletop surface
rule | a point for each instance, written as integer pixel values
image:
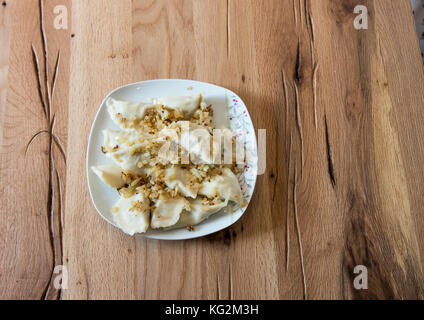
(344, 114)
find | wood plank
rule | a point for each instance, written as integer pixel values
(100, 61)
(5, 26)
(365, 136)
(31, 247)
(246, 49)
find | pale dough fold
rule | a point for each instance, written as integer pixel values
(225, 186)
(111, 174)
(168, 211)
(199, 213)
(187, 104)
(132, 215)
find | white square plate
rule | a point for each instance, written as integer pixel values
(229, 110)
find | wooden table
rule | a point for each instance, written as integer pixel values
(344, 114)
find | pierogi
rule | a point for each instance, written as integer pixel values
(165, 164)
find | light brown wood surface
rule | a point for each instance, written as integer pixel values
(344, 114)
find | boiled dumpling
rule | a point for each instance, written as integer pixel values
(225, 186)
(120, 146)
(125, 112)
(199, 212)
(167, 211)
(200, 143)
(111, 174)
(132, 214)
(182, 180)
(186, 104)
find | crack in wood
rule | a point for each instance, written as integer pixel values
(298, 66)
(297, 83)
(218, 288)
(46, 57)
(53, 174)
(312, 52)
(39, 82)
(300, 11)
(310, 21)
(299, 126)
(286, 98)
(56, 69)
(33, 138)
(314, 93)
(299, 237)
(60, 146)
(276, 173)
(329, 154)
(60, 217)
(342, 277)
(50, 210)
(55, 139)
(311, 32)
(288, 207)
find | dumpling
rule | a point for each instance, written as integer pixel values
(111, 174)
(225, 186)
(167, 211)
(132, 214)
(200, 145)
(199, 212)
(199, 142)
(123, 113)
(182, 180)
(187, 104)
(120, 146)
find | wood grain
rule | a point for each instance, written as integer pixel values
(30, 233)
(5, 26)
(344, 114)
